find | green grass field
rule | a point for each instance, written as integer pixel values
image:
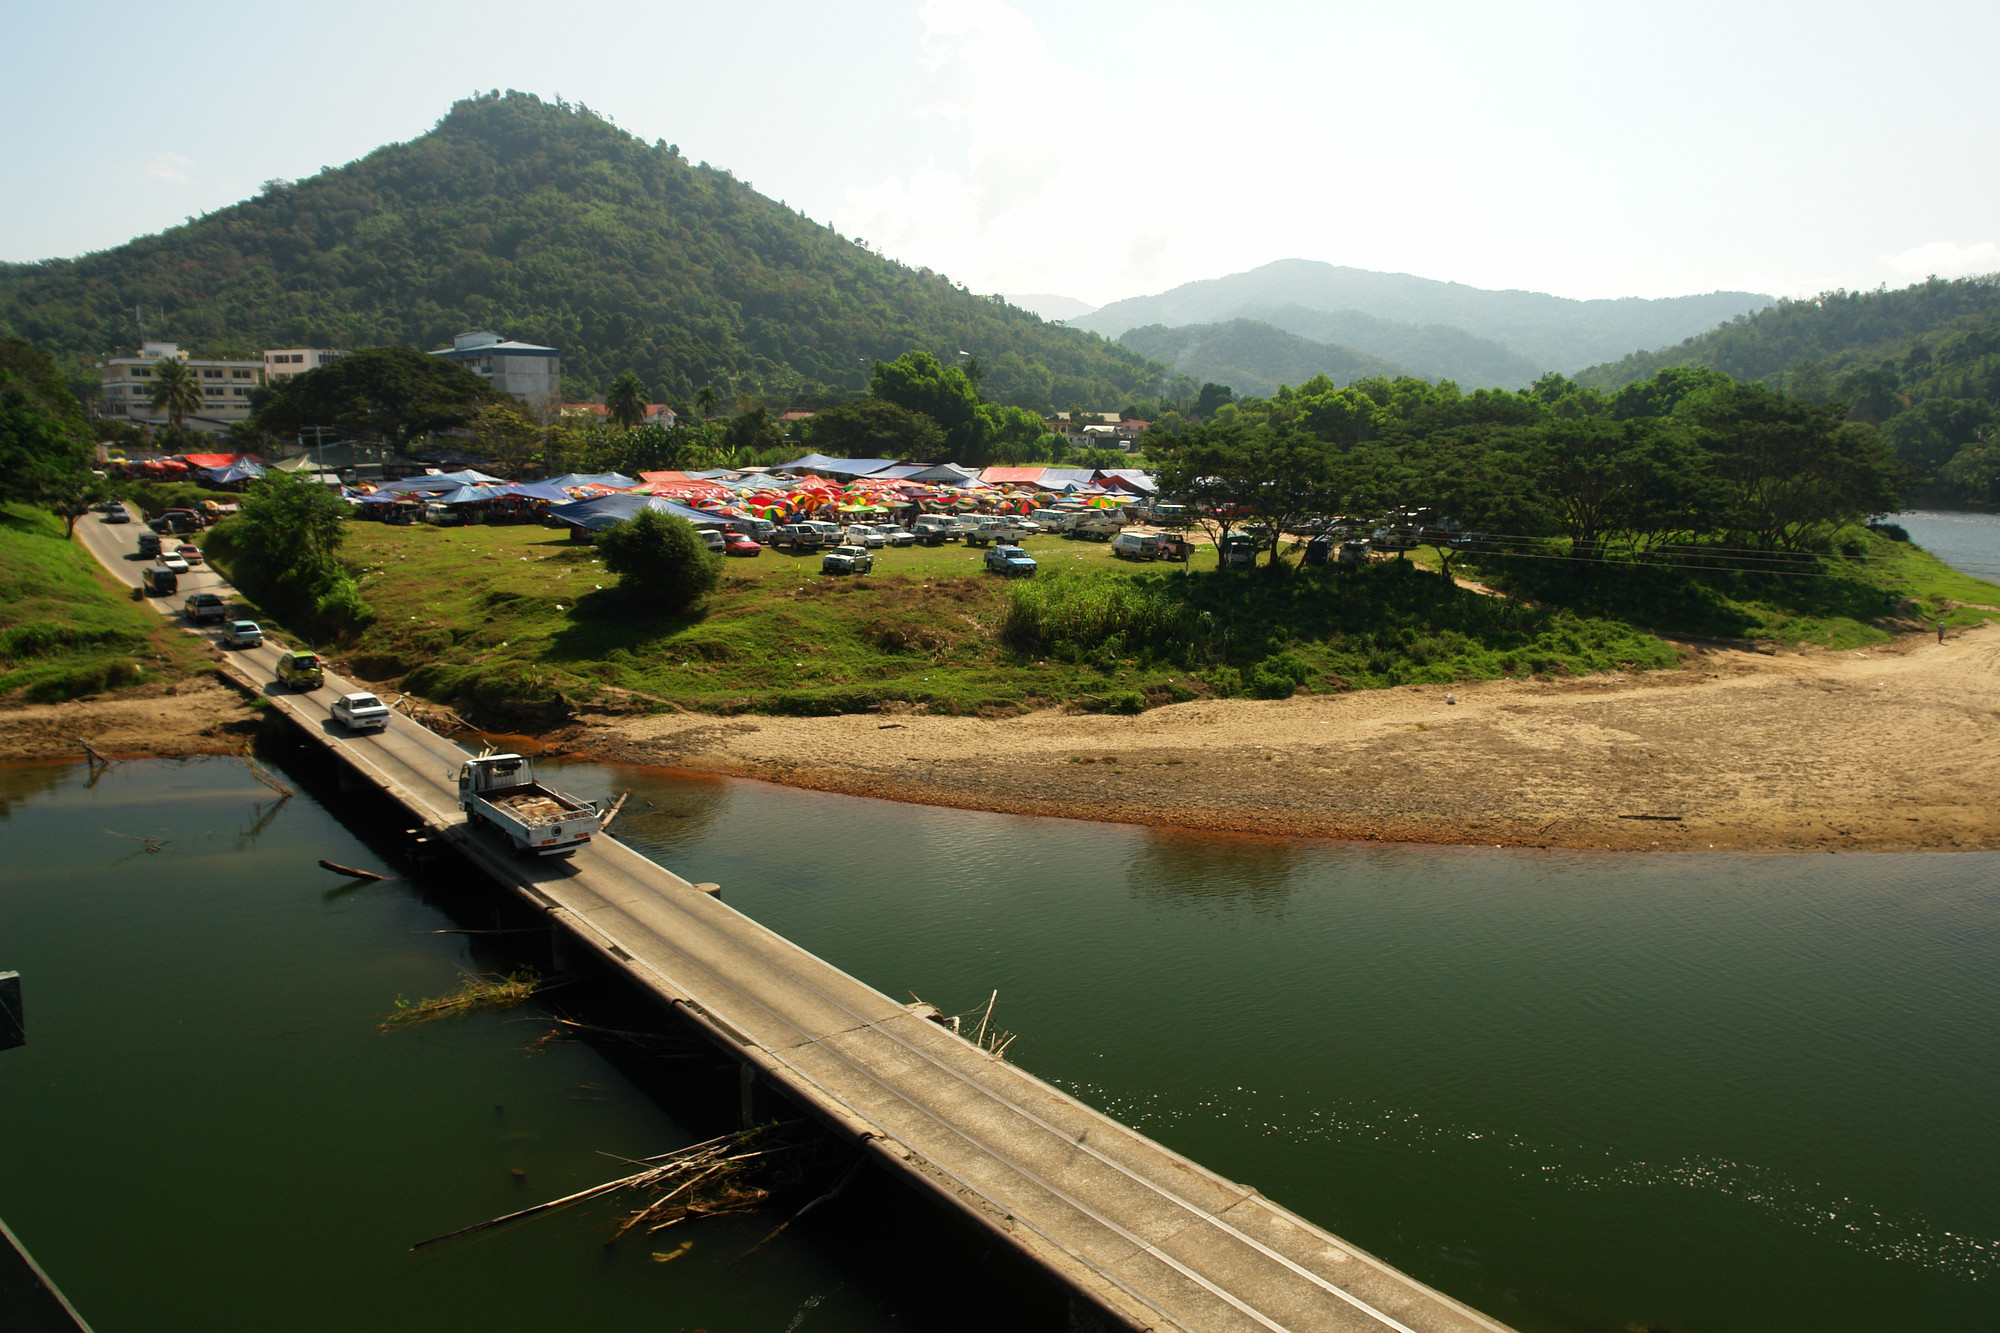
(523, 624)
(67, 629)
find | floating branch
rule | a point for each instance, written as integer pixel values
(693, 1182)
(152, 844)
(474, 994)
(348, 871)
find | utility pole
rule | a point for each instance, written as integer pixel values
(318, 446)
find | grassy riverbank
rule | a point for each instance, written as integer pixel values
(522, 625)
(67, 629)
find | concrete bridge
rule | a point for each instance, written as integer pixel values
(1148, 1238)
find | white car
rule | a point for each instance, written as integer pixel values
(896, 536)
(862, 535)
(361, 711)
(174, 562)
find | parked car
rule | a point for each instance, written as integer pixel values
(865, 535)
(173, 561)
(189, 553)
(203, 606)
(242, 634)
(301, 671)
(116, 512)
(443, 516)
(1000, 528)
(1011, 561)
(847, 560)
(737, 544)
(1098, 525)
(1354, 551)
(712, 538)
(799, 537)
(1135, 546)
(896, 536)
(176, 520)
(927, 524)
(361, 711)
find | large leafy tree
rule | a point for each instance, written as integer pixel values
(872, 428)
(391, 393)
(176, 391)
(627, 400)
(282, 547)
(919, 382)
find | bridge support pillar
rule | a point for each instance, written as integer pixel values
(348, 781)
(746, 1087)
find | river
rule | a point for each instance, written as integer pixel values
(1578, 1091)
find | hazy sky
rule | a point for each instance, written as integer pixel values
(1105, 150)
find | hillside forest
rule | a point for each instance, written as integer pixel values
(1921, 364)
(547, 223)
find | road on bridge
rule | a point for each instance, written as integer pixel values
(1150, 1237)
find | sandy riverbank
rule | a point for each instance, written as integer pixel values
(1891, 748)
(1895, 747)
(193, 717)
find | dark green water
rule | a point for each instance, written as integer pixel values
(1581, 1092)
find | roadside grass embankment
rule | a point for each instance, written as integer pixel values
(67, 629)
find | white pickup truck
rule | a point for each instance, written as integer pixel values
(500, 790)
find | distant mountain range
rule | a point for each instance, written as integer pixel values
(1251, 357)
(1050, 306)
(1475, 336)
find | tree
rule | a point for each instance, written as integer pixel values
(176, 391)
(45, 447)
(705, 400)
(660, 560)
(72, 497)
(752, 431)
(1212, 396)
(506, 436)
(872, 428)
(283, 547)
(391, 393)
(627, 400)
(919, 382)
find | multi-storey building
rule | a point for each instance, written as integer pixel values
(532, 374)
(286, 362)
(225, 388)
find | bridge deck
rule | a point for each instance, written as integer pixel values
(1148, 1235)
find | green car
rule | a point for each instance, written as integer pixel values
(301, 671)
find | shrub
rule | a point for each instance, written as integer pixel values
(660, 560)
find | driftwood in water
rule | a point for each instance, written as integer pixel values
(348, 871)
(604, 825)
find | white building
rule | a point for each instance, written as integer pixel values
(531, 373)
(225, 388)
(286, 362)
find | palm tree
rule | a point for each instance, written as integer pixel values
(176, 391)
(705, 401)
(627, 400)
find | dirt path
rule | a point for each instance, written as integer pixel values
(1894, 747)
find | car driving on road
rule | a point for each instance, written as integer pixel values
(242, 634)
(361, 711)
(301, 671)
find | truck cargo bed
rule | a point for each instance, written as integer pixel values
(532, 806)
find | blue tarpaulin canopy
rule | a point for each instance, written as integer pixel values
(538, 490)
(443, 481)
(600, 513)
(617, 480)
(237, 471)
(836, 467)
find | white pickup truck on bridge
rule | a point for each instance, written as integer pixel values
(500, 790)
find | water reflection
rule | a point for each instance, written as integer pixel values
(24, 782)
(1212, 872)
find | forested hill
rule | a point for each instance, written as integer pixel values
(1252, 358)
(1552, 332)
(550, 225)
(1921, 362)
